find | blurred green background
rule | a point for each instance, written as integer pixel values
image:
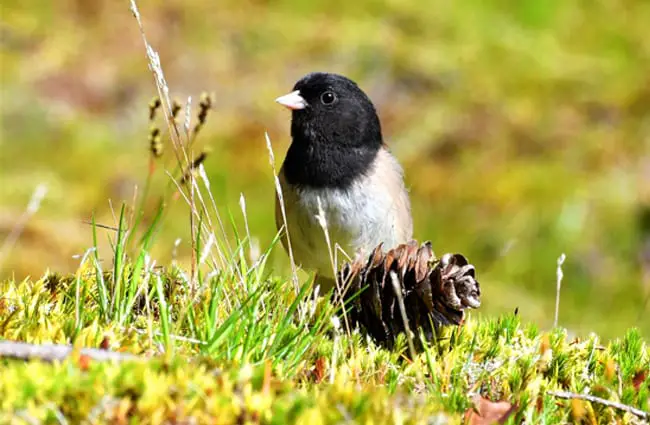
(523, 127)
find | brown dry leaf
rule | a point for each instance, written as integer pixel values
(545, 344)
(639, 378)
(577, 410)
(539, 404)
(610, 369)
(319, 369)
(106, 343)
(84, 362)
(266, 383)
(486, 412)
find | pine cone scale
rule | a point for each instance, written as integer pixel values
(435, 292)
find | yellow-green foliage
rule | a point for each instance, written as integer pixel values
(178, 392)
(522, 127)
(334, 377)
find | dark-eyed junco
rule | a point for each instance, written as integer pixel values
(337, 155)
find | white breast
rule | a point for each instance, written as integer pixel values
(373, 210)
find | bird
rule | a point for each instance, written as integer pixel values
(339, 169)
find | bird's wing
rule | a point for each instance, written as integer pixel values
(393, 182)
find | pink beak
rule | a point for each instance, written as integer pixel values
(292, 101)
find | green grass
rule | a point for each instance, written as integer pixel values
(268, 357)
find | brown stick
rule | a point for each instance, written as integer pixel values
(57, 352)
(593, 399)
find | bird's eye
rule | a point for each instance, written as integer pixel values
(328, 98)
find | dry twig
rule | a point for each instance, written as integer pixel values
(57, 352)
(593, 399)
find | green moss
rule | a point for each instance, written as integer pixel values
(333, 377)
(528, 120)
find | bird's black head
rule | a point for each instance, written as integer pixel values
(335, 131)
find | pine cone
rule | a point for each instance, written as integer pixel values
(435, 291)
